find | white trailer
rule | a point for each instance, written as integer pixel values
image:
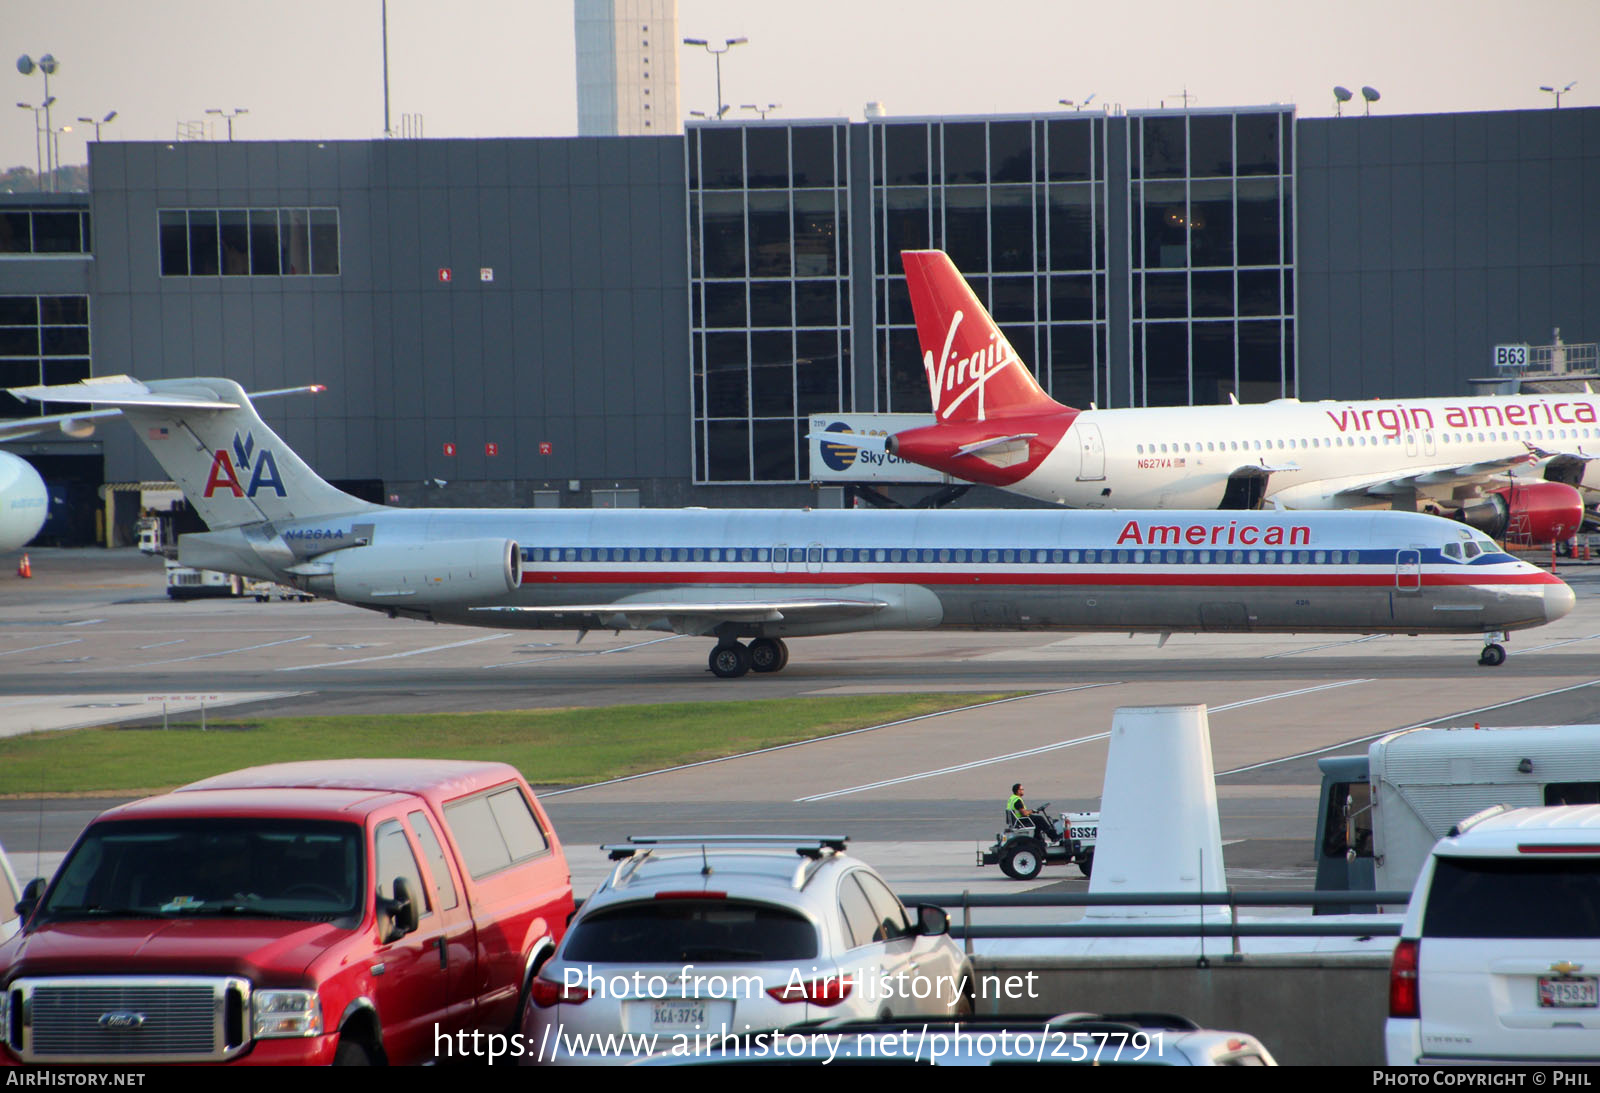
(1424, 781)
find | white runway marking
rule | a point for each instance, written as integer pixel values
(1419, 725)
(222, 652)
(1329, 645)
(582, 653)
(393, 656)
(1558, 644)
(1051, 747)
(824, 739)
(36, 648)
(85, 622)
(162, 644)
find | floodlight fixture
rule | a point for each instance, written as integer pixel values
(727, 44)
(1558, 92)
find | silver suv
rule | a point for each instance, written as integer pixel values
(693, 938)
(1499, 956)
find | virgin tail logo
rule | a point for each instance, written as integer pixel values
(970, 374)
(973, 372)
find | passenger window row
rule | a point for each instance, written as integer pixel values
(1358, 440)
(964, 556)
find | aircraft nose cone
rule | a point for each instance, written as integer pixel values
(1558, 601)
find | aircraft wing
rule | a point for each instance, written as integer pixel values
(78, 425)
(1434, 477)
(701, 616)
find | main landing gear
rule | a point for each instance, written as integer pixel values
(1494, 654)
(732, 659)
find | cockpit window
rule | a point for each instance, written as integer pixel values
(1453, 550)
(1472, 550)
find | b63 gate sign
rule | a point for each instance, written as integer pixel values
(843, 461)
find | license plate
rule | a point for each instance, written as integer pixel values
(677, 1014)
(1569, 991)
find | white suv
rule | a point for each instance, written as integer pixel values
(1499, 957)
(693, 938)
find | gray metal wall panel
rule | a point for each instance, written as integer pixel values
(433, 163)
(361, 446)
(1376, 336)
(616, 363)
(1532, 201)
(237, 356)
(294, 171)
(1503, 303)
(412, 446)
(591, 439)
(1439, 325)
(356, 242)
(493, 162)
(1408, 342)
(1374, 190)
(1320, 374)
(522, 237)
(494, 250)
(1471, 326)
(1567, 212)
(327, 339)
(1502, 228)
(583, 163)
(613, 239)
(555, 238)
(585, 262)
(436, 346)
(354, 160)
(644, 256)
(322, 170)
(1439, 217)
(554, 163)
(1406, 204)
(531, 358)
(406, 270)
(556, 339)
(266, 333)
(1344, 338)
(380, 365)
(232, 166)
(466, 353)
(1473, 211)
(588, 321)
(299, 339)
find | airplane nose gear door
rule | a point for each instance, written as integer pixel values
(1093, 447)
(1408, 572)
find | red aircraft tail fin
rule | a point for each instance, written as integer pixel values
(973, 373)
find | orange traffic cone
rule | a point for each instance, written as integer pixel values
(24, 569)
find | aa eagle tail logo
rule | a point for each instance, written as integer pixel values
(226, 469)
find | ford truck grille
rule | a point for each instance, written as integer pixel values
(165, 1019)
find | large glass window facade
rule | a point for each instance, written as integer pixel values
(769, 302)
(1212, 255)
(45, 231)
(1020, 206)
(249, 242)
(43, 340)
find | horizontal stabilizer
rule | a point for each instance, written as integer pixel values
(981, 445)
(120, 391)
(853, 440)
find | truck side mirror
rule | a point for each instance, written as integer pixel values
(32, 893)
(397, 917)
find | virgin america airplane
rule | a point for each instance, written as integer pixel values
(763, 575)
(1510, 466)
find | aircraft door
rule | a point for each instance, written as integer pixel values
(1408, 572)
(1093, 447)
(1411, 444)
(813, 557)
(1427, 442)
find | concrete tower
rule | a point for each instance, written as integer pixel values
(627, 67)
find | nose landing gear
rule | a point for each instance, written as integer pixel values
(1494, 654)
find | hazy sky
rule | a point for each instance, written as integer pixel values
(479, 68)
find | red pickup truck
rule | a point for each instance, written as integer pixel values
(351, 911)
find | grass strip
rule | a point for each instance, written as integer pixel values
(550, 747)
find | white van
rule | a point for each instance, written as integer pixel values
(1499, 957)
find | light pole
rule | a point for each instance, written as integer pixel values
(1078, 105)
(762, 110)
(107, 120)
(46, 66)
(727, 44)
(53, 151)
(1558, 92)
(38, 161)
(230, 116)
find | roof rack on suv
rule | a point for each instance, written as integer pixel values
(813, 850)
(807, 846)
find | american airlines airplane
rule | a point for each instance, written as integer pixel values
(24, 504)
(766, 575)
(1512, 466)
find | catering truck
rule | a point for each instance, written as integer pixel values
(345, 911)
(1381, 813)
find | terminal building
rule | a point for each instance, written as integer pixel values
(652, 320)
